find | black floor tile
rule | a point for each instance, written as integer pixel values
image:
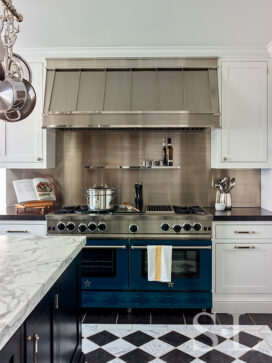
(174, 338)
(256, 357)
(102, 338)
(208, 318)
(136, 356)
(176, 356)
(99, 356)
(134, 317)
(247, 339)
(100, 316)
(229, 319)
(214, 356)
(164, 316)
(210, 339)
(262, 319)
(138, 338)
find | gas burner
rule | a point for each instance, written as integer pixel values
(188, 210)
(81, 210)
(66, 209)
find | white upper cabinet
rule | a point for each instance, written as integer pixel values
(25, 144)
(243, 140)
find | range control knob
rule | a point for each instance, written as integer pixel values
(92, 227)
(82, 228)
(102, 227)
(60, 226)
(133, 228)
(187, 227)
(197, 227)
(177, 228)
(165, 227)
(70, 226)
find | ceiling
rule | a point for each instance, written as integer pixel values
(128, 23)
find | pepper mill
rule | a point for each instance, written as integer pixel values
(139, 196)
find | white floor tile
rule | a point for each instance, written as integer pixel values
(88, 346)
(88, 330)
(194, 348)
(232, 348)
(264, 348)
(119, 347)
(157, 348)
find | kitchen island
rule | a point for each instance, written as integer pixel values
(38, 272)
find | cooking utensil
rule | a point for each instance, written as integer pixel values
(12, 97)
(100, 198)
(131, 206)
(26, 109)
(231, 185)
(19, 67)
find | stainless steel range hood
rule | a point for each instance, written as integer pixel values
(131, 93)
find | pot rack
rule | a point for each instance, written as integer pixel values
(11, 8)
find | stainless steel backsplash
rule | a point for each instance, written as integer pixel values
(191, 184)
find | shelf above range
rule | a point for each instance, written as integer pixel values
(131, 167)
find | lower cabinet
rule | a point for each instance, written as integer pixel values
(12, 352)
(243, 268)
(52, 332)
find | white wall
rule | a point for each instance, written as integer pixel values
(266, 186)
(2, 190)
(116, 23)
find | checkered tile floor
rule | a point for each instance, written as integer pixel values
(140, 343)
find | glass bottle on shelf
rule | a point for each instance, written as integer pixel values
(169, 152)
(164, 154)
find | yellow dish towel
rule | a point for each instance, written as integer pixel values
(159, 262)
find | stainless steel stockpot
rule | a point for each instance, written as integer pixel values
(100, 198)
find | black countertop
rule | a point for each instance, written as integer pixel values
(30, 215)
(241, 214)
(235, 214)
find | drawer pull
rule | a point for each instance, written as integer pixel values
(245, 232)
(17, 231)
(245, 247)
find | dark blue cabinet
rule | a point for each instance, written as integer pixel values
(52, 332)
(11, 353)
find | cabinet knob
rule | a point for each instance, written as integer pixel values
(39, 159)
(225, 158)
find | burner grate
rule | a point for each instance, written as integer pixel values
(159, 209)
(188, 210)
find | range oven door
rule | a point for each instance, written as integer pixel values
(191, 266)
(105, 265)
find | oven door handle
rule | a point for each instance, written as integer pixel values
(176, 247)
(122, 247)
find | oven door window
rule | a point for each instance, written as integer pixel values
(98, 263)
(185, 264)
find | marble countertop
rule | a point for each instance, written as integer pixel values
(29, 267)
(241, 214)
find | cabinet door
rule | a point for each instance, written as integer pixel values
(243, 268)
(68, 338)
(244, 112)
(39, 337)
(22, 142)
(11, 353)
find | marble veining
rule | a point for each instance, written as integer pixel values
(29, 267)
